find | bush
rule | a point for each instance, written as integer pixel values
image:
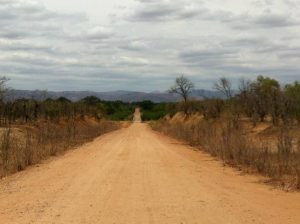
(17, 151)
(153, 112)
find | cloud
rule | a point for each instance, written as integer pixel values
(244, 56)
(93, 35)
(22, 20)
(165, 10)
(264, 21)
(273, 20)
(180, 10)
(148, 44)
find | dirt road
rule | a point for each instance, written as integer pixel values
(135, 175)
(137, 116)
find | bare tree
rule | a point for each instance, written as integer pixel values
(244, 85)
(183, 87)
(3, 81)
(224, 86)
(3, 89)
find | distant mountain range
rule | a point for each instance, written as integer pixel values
(125, 96)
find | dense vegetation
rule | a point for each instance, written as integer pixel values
(24, 110)
(152, 111)
(113, 110)
(28, 111)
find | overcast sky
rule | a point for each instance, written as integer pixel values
(144, 44)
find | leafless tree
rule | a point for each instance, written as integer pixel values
(244, 85)
(224, 86)
(3, 81)
(183, 87)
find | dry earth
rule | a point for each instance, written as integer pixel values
(135, 175)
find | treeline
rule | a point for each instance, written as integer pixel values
(25, 110)
(31, 110)
(259, 99)
(154, 111)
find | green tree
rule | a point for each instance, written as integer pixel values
(266, 94)
(292, 92)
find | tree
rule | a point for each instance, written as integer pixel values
(261, 97)
(224, 86)
(183, 87)
(292, 93)
(267, 91)
(3, 89)
(3, 81)
(91, 100)
(245, 98)
(146, 105)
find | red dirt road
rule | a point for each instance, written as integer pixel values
(135, 175)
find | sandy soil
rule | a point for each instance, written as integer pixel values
(135, 175)
(137, 116)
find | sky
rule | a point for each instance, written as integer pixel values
(143, 45)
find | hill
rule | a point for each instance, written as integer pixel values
(125, 96)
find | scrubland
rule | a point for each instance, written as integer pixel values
(270, 150)
(256, 129)
(31, 130)
(25, 145)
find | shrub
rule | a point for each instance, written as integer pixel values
(228, 141)
(17, 151)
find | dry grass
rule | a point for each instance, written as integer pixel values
(231, 141)
(24, 146)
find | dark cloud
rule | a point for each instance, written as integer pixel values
(184, 10)
(149, 11)
(263, 21)
(273, 20)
